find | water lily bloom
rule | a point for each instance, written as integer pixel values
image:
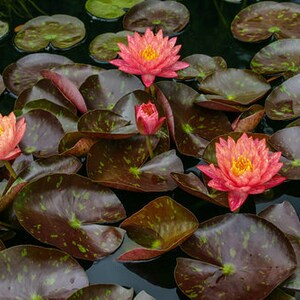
(150, 56)
(146, 116)
(11, 133)
(244, 167)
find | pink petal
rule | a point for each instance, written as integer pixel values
(148, 79)
(236, 199)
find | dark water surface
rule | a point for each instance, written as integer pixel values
(208, 33)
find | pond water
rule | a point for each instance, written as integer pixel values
(207, 33)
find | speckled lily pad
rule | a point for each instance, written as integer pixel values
(4, 28)
(261, 20)
(59, 31)
(109, 9)
(170, 16)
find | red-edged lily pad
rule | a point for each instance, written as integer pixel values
(59, 31)
(170, 16)
(4, 28)
(32, 272)
(109, 9)
(120, 164)
(190, 126)
(25, 72)
(260, 21)
(283, 101)
(158, 227)
(103, 291)
(62, 210)
(235, 86)
(104, 47)
(102, 91)
(201, 66)
(287, 141)
(230, 251)
(279, 57)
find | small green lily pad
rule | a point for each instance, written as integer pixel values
(4, 28)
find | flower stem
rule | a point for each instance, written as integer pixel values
(149, 146)
(10, 169)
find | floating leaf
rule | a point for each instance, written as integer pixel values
(109, 9)
(260, 21)
(170, 16)
(225, 247)
(25, 72)
(103, 291)
(279, 57)
(279, 294)
(283, 102)
(235, 86)
(201, 66)
(104, 47)
(59, 31)
(32, 272)
(61, 210)
(4, 28)
(2, 86)
(142, 295)
(158, 227)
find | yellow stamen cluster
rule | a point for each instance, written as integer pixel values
(149, 53)
(241, 165)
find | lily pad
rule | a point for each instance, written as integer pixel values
(158, 227)
(222, 257)
(108, 9)
(62, 210)
(235, 86)
(287, 141)
(280, 57)
(104, 47)
(32, 272)
(102, 91)
(170, 16)
(201, 66)
(59, 31)
(190, 126)
(262, 20)
(283, 102)
(4, 28)
(25, 72)
(103, 291)
(2, 86)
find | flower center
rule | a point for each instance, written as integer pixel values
(241, 165)
(1, 130)
(148, 109)
(149, 53)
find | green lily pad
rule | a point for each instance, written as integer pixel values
(109, 9)
(280, 57)
(25, 72)
(62, 210)
(4, 28)
(158, 227)
(32, 272)
(262, 20)
(283, 102)
(59, 31)
(104, 47)
(235, 86)
(201, 66)
(286, 140)
(230, 251)
(170, 16)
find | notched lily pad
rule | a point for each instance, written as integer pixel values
(283, 101)
(59, 31)
(25, 72)
(170, 16)
(235, 86)
(261, 20)
(158, 227)
(4, 28)
(109, 9)
(104, 47)
(32, 272)
(280, 57)
(222, 257)
(62, 210)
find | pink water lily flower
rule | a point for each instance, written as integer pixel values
(147, 121)
(244, 167)
(11, 133)
(150, 56)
